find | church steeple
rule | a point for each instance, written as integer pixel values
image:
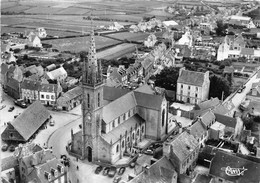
(92, 71)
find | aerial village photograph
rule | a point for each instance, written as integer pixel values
(130, 91)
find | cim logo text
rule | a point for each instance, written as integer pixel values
(234, 171)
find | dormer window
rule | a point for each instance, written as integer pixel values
(47, 176)
(54, 172)
(61, 169)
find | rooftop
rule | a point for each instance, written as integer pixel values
(191, 78)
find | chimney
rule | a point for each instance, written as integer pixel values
(181, 69)
(145, 168)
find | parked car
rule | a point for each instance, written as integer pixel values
(2, 106)
(241, 89)
(98, 169)
(121, 171)
(132, 165)
(4, 147)
(117, 179)
(148, 152)
(112, 172)
(11, 109)
(20, 103)
(52, 123)
(12, 148)
(105, 171)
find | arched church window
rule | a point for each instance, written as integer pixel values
(98, 100)
(117, 148)
(123, 144)
(88, 100)
(142, 129)
(163, 116)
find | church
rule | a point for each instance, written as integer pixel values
(115, 122)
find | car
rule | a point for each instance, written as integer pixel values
(121, 171)
(4, 147)
(112, 172)
(117, 179)
(52, 123)
(105, 171)
(148, 152)
(12, 148)
(11, 109)
(20, 103)
(132, 165)
(241, 89)
(2, 106)
(98, 169)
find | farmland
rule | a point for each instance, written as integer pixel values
(80, 43)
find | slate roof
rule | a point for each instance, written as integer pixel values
(30, 120)
(148, 101)
(114, 134)
(226, 120)
(129, 101)
(118, 107)
(49, 88)
(209, 103)
(201, 178)
(161, 171)
(222, 160)
(197, 130)
(56, 73)
(111, 93)
(9, 162)
(69, 95)
(30, 84)
(207, 118)
(183, 145)
(13, 83)
(191, 78)
(4, 68)
(247, 51)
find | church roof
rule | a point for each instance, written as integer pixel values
(114, 134)
(148, 100)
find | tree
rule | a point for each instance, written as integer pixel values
(217, 86)
(168, 78)
(221, 28)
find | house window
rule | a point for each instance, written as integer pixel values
(128, 139)
(98, 100)
(117, 148)
(119, 120)
(129, 114)
(137, 132)
(124, 117)
(163, 116)
(113, 124)
(142, 129)
(196, 95)
(188, 87)
(88, 100)
(123, 144)
(11, 135)
(52, 97)
(47, 97)
(133, 136)
(42, 96)
(188, 93)
(181, 86)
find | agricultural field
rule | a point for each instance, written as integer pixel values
(43, 10)
(15, 9)
(80, 43)
(73, 11)
(116, 51)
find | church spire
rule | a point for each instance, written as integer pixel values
(92, 75)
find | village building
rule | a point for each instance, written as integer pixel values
(118, 73)
(118, 126)
(34, 41)
(30, 90)
(59, 74)
(192, 86)
(161, 170)
(49, 93)
(230, 168)
(35, 116)
(183, 152)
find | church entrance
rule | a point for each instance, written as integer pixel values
(89, 151)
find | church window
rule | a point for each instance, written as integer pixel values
(124, 117)
(137, 132)
(129, 114)
(128, 139)
(123, 144)
(142, 129)
(119, 120)
(88, 100)
(98, 99)
(117, 148)
(163, 116)
(133, 136)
